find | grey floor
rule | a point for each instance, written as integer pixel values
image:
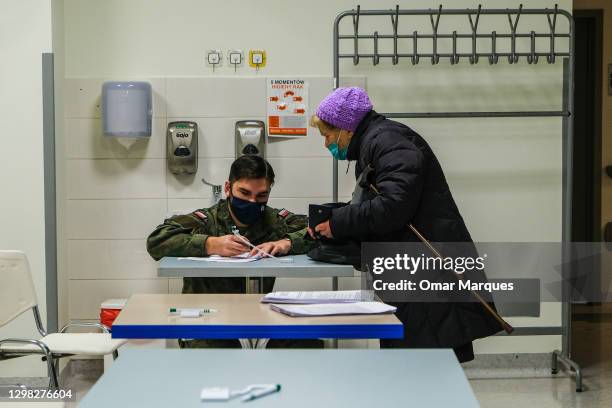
(592, 349)
(592, 333)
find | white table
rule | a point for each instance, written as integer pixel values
(309, 378)
(301, 267)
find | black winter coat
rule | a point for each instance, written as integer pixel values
(413, 190)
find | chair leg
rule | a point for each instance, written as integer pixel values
(51, 367)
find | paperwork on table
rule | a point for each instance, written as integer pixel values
(334, 309)
(329, 296)
(242, 258)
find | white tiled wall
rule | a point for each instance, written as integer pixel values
(84, 140)
(109, 259)
(116, 197)
(86, 295)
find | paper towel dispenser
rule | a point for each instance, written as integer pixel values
(250, 138)
(182, 147)
(127, 111)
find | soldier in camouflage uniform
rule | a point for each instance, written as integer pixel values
(209, 231)
(186, 235)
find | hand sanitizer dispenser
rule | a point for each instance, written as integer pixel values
(182, 147)
(250, 138)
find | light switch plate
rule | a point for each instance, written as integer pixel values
(214, 58)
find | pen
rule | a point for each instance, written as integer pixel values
(180, 311)
(262, 393)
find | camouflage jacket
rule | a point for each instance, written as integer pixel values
(185, 235)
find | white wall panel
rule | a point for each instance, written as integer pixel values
(216, 97)
(85, 140)
(86, 296)
(113, 219)
(110, 259)
(116, 179)
(214, 170)
(302, 177)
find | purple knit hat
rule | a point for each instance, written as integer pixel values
(344, 108)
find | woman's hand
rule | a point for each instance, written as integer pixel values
(274, 248)
(311, 233)
(324, 229)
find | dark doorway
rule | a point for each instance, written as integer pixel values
(588, 319)
(586, 203)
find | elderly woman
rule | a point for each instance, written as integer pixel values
(412, 190)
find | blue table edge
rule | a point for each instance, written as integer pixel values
(345, 331)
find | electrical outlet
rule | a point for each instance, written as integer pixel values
(235, 57)
(213, 59)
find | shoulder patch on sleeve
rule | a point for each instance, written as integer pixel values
(200, 215)
(283, 213)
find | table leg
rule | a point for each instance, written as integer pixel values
(333, 343)
(254, 285)
(246, 343)
(253, 343)
(261, 343)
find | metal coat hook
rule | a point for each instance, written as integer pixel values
(513, 57)
(435, 58)
(552, 24)
(415, 49)
(533, 58)
(394, 22)
(474, 25)
(375, 57)
(454, 59)
(493, 57)
(356, 37)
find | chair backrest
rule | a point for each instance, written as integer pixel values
(17, 293)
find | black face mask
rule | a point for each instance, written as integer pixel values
(247, 212)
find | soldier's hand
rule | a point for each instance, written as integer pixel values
(226, 245)
(281, 247)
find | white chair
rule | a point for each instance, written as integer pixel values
(17, 295)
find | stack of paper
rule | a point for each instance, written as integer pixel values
(244, 257)
(340, 296)
(333, 309)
